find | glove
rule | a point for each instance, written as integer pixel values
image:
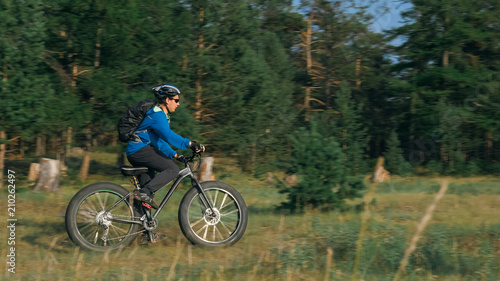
(181, 158)
(195, 146)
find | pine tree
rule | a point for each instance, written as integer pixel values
(448, 53)
(351, 131)
(252, 104)
(317, 161)
(394, 153)
(25, 86)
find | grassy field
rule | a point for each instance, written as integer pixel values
(461, 241)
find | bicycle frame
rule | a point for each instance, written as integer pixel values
(184, 173)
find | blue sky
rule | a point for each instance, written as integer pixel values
(392, 18)
(385, 20)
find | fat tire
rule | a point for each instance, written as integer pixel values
(75, 204)
(211, 187)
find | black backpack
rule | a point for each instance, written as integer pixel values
(130, 121)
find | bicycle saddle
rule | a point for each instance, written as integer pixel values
(133, 171)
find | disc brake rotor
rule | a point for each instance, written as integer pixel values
(212, 216)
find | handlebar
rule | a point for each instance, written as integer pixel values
(186, 159)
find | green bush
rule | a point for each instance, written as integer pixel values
(435, 167)
(317, 160)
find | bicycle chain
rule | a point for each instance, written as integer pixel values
(119, 237)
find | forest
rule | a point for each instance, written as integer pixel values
(308, 88)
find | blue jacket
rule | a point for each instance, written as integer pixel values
(158, 134)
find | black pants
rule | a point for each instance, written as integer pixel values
(157, 161)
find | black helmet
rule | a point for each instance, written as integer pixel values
(165, 91)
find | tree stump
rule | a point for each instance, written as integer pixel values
(270, 177)
(291, 180)
(205, 173)
(48, 179)
(380, 174)
(34, 171)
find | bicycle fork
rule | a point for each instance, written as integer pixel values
(203, 196)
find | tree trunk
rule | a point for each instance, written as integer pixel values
(489, 146)
(84, 170)
(3, 137)
(69, 141)
(54, 143)
(308, 42)
(21, 147)
(205, 173)
(199, 95)
(65, 151)
(120, 159)
(62, 159)
(97, 57)
(307, 105)
(41, 145)
(114, 140)
(48, 179)
(358, 72)
(444, 153)
(38, 145)
(446, 58)
(199, 72)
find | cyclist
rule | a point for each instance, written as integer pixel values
(153, 150)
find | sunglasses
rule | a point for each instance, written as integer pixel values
(176, 100)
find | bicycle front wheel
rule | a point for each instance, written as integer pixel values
(223, 225)
(91, 227)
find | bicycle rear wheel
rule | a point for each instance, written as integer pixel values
(89, 226)
(223, 226)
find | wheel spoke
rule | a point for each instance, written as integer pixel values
(206, 230)
(220, 234)
(85, 227)
(89, 236)
(98, 196)
(106, 195)
(221, 204)
(115, 228)
(87, 215)
(225, 227)
(225, 214)
(115, 231)
(199, 230)
(96, 235)
(216, 194)
(89, 202)
(209, 195)
(197, 222)
(214, 233)
(228, 203)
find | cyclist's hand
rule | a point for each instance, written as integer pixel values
(181, 158)
(196, 147)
